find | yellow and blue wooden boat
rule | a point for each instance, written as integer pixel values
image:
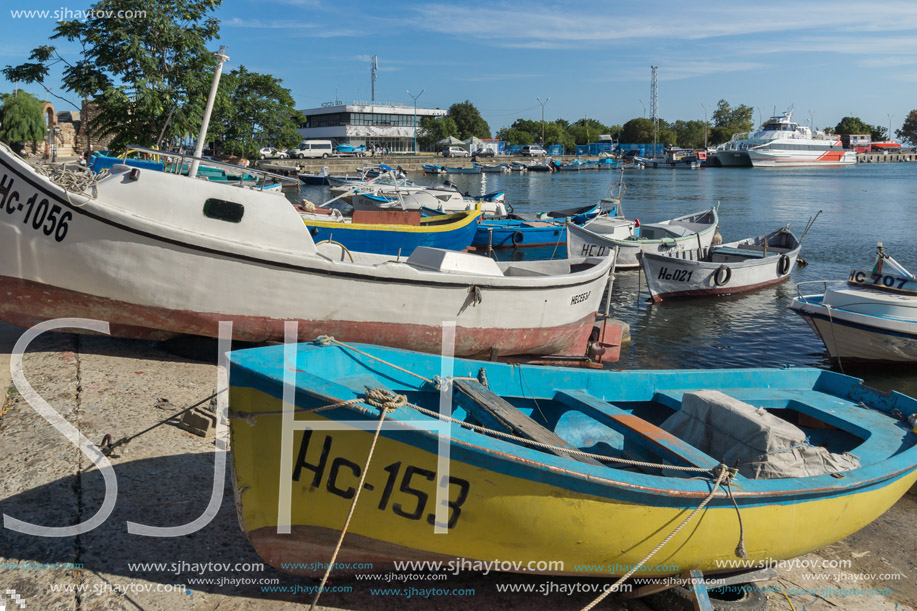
(449, 231)
(513, 501)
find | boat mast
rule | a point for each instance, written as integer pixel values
(654, 102)
(205, 122)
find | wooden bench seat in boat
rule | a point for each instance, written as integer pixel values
(494, 412)
(638, 430)
(737, 252)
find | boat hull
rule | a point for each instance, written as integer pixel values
(857, 337)
(516, 504)
(143, 257)
(734, 159)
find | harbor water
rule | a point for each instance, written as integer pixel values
(862, 205)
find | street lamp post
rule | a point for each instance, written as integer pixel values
(415, 115)
(546, 100)
(644, 107)
(705, 125)
(888, 137)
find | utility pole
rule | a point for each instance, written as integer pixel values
(221, 57)
(654, 105)
(705, 125)
(888, 137)
(415, 115)
(546, 100)
(373, 66)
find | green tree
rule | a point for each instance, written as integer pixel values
(254, 110)
(585, 131)
(689, 133)
(728, 121)
(432, 130)
(637, 130)
(908, 131)
(515, 136)
(878, 133)
(554, 133)
(21, 119)
(469, 121)
(852, 125)
(148, 76)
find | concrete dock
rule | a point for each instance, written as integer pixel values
(120, 387)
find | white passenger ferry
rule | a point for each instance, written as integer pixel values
(782, 143)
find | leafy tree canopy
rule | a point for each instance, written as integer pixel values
(690, 133)
(21, 119)
(852, 125)
(432, 130)
(253, 110)
(515, 136)
(728, 121)
(908, 131)
(148, 76)
(637, 130)
(469, 121)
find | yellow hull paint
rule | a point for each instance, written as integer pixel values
(509, 518)
(433, 224)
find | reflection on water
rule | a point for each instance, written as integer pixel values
(862, 204)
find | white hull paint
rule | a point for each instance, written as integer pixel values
(601, 237)
(142, 255)
(724, 271)
(863, 324)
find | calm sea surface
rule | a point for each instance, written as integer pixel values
(862, 205)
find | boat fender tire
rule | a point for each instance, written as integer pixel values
(722, 275)
(518, 237)
(655, 164)
(783, 265)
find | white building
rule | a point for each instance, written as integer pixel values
(387, 125)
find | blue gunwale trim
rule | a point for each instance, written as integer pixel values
(258, 369)
(853, 325)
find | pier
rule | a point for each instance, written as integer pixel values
(886, 157)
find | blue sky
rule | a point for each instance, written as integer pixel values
(826, 59)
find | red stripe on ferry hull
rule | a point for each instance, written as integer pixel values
(26, 303)
(719, 291)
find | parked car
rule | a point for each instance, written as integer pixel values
(282, 154)
(313, 149)
(483, 153)
(267, 152)
(533, 150)
(455, 151)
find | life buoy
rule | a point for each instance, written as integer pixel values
(783, 265)
(722, 275)
(518, 237)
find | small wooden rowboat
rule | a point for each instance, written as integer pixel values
(589, 469)
(735, 267)
(871, 318)
(395, 232)
(684, 236)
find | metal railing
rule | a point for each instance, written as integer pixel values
(174, 163)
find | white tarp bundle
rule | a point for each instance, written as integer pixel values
(763, 445)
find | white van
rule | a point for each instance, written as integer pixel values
(313, 148)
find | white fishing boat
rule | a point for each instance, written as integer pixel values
(872, 317)
(430, 199)
(735, 267)
(684, 237)
(158, 255)
(783, 143)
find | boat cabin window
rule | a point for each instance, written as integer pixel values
(222, 210)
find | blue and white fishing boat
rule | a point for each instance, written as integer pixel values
(870, 318)
(520, 230)
(590, 469)
(432, 168)
(463, 170)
